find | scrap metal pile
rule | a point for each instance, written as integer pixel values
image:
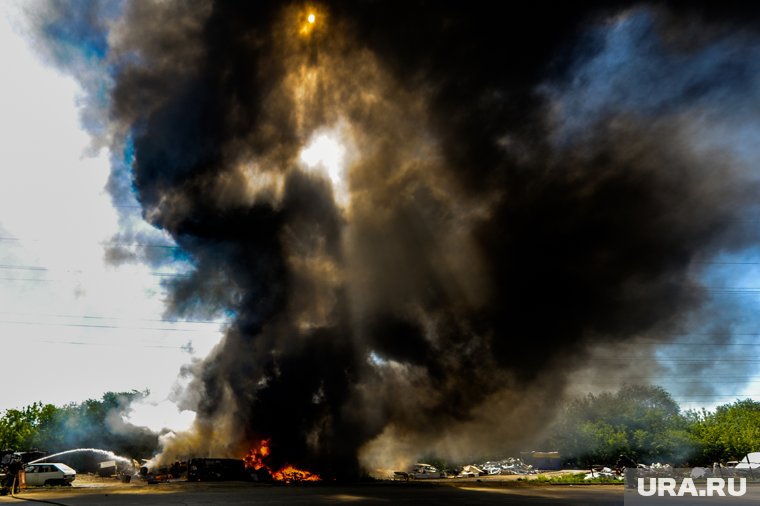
(498, 467)
(656, 469)
(603, 472)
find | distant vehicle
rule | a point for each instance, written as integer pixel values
(422, 471)
(49, 473)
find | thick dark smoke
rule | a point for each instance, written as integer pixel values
(521, 188)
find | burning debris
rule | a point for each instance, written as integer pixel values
(181, 469)
(256, 460)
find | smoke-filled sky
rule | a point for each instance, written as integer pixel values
(408, 225)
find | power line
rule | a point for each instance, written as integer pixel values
(103, 243)
(679, 343)
(32, 279)
(22, 267)
(684, 334)
(685, 360)
(101, 317)
(702, 377)
(85, 325)
(728, 263)
(38, 268)
(703, 397)
(185, 347)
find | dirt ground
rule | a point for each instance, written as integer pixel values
(90, 490)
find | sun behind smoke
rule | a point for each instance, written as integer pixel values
(328, 151)
(309, 24)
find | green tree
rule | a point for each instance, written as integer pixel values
(728, 433)
(642, 422)
(20, 428)
(92, 423)
(49, 433)
(16, 426)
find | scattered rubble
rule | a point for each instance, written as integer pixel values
(528, 463)
(654, 469)
(420, 471)
(470, 471)
(604, 472)
(508, 466)
(657, 468)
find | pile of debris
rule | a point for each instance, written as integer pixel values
(656, 469)
(602, 472)
(503, 467)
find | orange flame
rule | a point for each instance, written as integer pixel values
(290, 473)
(258, 454)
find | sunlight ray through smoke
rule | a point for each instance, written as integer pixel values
(328, 152)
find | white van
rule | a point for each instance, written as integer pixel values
(48, 473)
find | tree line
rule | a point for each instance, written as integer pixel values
(645, 424)
(94, 423)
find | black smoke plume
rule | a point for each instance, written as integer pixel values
(501, 213)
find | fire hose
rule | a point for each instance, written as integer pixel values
(13, 494)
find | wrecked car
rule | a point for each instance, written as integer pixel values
(421, 471)
(49, 473)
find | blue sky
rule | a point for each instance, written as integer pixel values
(704, 97)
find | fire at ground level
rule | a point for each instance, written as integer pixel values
(464, 492)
